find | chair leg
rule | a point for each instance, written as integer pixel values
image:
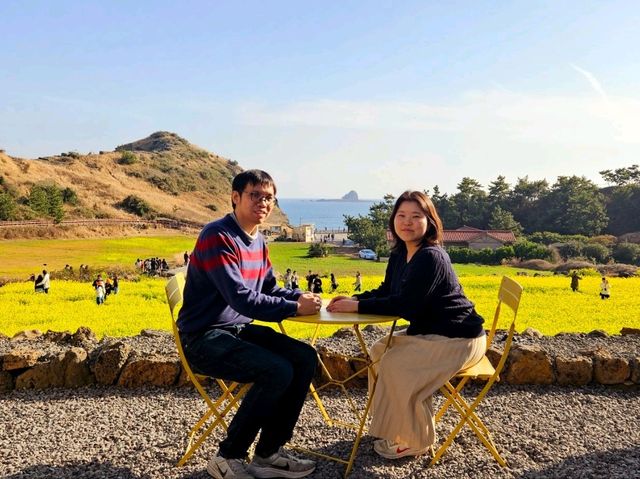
(448, 401)
(468, 416)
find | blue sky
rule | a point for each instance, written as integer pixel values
(332, 96)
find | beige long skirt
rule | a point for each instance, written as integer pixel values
(411, 370)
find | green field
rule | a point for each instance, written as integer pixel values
(548, 303)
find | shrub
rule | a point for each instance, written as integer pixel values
(571, 249)
(69, 196)
(128, 158)
(628, 253)
(135, 205)
(318, 250)
(596, 251)
(524, 249)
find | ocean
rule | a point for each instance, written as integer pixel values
(322, 213)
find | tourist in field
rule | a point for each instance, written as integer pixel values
(445, 333)
(230, 282)
(294, 280)
(116, 284)
(287, 279)
(334, 284)
(316, 284)
(309, 277)
(575, 280)
(605, 288)
(46, 281)
(38, 284)
(99, 287)
(185, 256)
(358, 283)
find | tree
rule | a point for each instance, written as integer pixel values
(445, 207)
(7, 206)
(470, 204)
(623, 208)
(503, 220)
(499, 193)
(38, 200)
(622, 176)
(524, 203)
(574, 205)
(371, 231)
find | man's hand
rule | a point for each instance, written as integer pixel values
(309, 303)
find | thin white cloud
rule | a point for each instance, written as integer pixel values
(593, 81)
(544, 119)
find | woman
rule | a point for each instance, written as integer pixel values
(294, 280)
(445, 333)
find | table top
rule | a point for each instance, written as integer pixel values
(325, 317)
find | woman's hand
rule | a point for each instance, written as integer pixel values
(343, 305)
(338, 298)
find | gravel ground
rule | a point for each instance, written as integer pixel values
(549, 432)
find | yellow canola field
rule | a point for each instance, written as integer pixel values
(548, 305)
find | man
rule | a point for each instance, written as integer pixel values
(230, 282)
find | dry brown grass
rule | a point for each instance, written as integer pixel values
(192, 179)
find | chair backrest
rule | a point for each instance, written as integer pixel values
(509, 294)
(174, 288)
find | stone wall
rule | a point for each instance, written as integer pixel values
(32, 359)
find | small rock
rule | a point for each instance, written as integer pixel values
(532, 333)
(610, 370)
(27, 335)
(626, 331)
(529, 365)
(20, 359)
(598, 333)
(574, 371)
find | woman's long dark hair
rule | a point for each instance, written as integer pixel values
(433, 236)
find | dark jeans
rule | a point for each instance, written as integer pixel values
(280, 368)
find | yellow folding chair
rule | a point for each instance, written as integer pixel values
(230, 396)
(508, 295)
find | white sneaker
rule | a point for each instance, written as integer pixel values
(222, 468)
(394, 450)
(280, 464)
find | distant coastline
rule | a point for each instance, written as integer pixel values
(324, 213)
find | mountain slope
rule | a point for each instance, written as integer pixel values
(175, 178)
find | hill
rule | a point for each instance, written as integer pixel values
(168, 175)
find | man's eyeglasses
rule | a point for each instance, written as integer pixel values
(258, 197)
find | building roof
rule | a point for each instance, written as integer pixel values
(467, 234)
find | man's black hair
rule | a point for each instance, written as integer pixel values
(251, 177)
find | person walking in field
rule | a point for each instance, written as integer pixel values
(575, 281)
(230, 282)
(46, 281)
(358, 283)
(287, 279)
(334, 284)
(99, 287)
(294, 280)
(605, 288)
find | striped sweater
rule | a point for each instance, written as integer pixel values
(230, 281)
